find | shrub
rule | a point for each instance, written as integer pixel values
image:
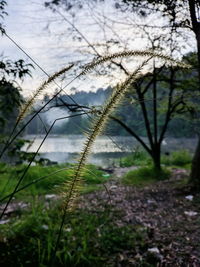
(178, 158)
(144, 176)
(137, 158)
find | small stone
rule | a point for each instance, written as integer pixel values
(189, 197)
(45, 227)
(113, 187)
(190, 213)
(149, 201)
(154, 250)
(68, 229)
(50, 196)
(4, 221)
(155, 253)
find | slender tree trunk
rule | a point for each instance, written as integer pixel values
(156, 154)
(195, 170)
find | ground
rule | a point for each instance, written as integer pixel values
(166, 213)
(166, 209)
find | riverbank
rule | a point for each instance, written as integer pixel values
(113, 225)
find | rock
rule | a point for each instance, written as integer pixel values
(154, 250)
(14, 207)
(45, 227)
(113, 187)
(4, 221)
(50, 196)
(149, 201)
(154, 255)
(189, 197)
(190, 213)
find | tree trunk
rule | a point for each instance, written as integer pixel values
(156, 154)
(195, 171)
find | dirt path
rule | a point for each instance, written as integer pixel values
(166, 210)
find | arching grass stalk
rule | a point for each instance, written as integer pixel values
(71, 188)
(114, 100)
(32, 159)
(90, 66)
(131, 53)
(25, 108)
(85, 69)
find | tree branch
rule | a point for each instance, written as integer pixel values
(145, 116)
(168, 113)
(130, 131)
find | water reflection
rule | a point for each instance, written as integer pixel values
(65, 148)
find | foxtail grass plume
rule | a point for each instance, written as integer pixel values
(29, 103)
(100, 122)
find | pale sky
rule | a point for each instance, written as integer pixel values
(46, 37)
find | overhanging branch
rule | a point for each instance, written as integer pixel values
(130, 131)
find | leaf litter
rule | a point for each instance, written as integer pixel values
(166, 210)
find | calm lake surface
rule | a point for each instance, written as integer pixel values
(105, 151)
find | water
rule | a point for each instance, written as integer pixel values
(105, 151)
(65, 148)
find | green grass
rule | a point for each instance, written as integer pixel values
(88, 239)
(138, 158)
(54, 177)
(144, 176)
(181, 158)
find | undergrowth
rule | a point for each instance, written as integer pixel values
(144, 176)
(89, 239)
(137, 158)
(177, 158)
(49, 183)
(180, 158)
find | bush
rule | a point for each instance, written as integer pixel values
(144, 176)
(137, 158)
(178, 158)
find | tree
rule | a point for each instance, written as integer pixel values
(183, 15)
(10, 96)
(151, 83)
(160, 95)
(180, 16)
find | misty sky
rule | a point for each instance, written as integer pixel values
(48, 38)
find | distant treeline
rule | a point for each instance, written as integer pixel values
(128, 113)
